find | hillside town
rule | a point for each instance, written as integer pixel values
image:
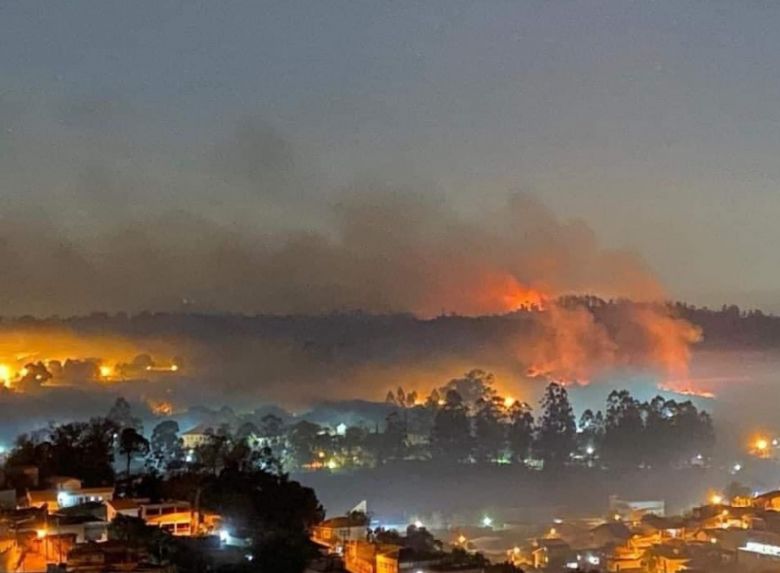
(739, 534)
(99, 496)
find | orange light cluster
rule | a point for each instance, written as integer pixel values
(684, 388)
(160, 407)
(504, 293)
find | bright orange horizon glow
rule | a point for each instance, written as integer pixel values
(685, 388)
(502, 292)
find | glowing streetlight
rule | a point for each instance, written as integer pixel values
(761, 444)
(462, 539)
(590, 450)
(40, 533)
(487, 521)
(418, 524)
(716, 499)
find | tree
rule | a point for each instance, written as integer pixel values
(521, 431)
(273, 510)
(247, 431)
(84, 450)
(695, 429)
(271, 427)
(122, 415)
(557, 429)
(211, 454)
(623, 437)
(489, 429)
(400, 397)
(166, 446)
(354, 438)
(131, 443)
(139, 538)
(474, 385)
(591, 431)
(302, 438)
(393, 440)
(659, 436)
(451, 434)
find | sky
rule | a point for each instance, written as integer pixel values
(163, 125)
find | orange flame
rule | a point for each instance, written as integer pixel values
(685, 388)
(504, 293)
(160, 408)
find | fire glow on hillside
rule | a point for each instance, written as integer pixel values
(45, 357)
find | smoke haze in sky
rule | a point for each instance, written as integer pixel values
(139, 125)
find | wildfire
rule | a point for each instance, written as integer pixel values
(504, 293)
(684, 388)
(160, 407)
(5, 375)
(548, 374)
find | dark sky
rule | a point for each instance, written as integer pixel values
(128, 129)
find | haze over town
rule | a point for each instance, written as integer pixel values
(505, 272)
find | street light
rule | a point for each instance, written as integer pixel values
(487, 521)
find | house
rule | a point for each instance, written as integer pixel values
(178, 518)
(635, 510)
(550, 553)
(624, 559)
(759, 557)
(367, 557)
(67, 492)
(336, 532)
(109, 556)
(609, 533)
(122, 506)
(197, 436)
(769, 501)
(669, 558)
(48, 498)
(63, 483)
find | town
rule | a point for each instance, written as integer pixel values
(100, 496)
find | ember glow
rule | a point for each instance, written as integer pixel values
(160, 407)
(32, 358)
(505, 293)
(685, 388)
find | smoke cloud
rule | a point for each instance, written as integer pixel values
(245, 224)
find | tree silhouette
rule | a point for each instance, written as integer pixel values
(165, 445)
(489, 429)
(521, 431)
(131, 443)
(451, 434)
(557, 429)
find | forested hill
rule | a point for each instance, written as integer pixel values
(726, 327)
